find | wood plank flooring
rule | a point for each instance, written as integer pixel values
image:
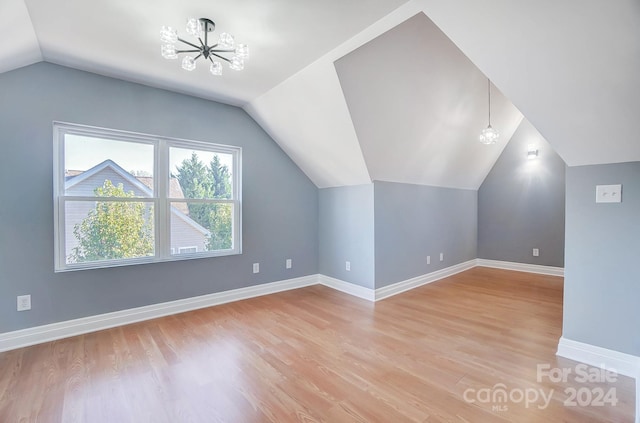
(318, 355)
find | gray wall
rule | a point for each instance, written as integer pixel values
(521, 203)
(602, 278)
(416, 221)
(280, 204)
(347, 234)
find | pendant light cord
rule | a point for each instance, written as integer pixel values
(489, 89)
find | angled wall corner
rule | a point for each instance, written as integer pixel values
(386, 231)
(413, 222)
(346, 234)
(521, 203)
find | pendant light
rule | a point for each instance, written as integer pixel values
(489, 135)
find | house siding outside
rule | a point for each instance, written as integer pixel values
(185, 232)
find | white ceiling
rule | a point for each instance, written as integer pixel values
(19, 46)
(571, 67)
(121, 38)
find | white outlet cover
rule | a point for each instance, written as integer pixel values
(428, 259)
(536, 252)
(256, 267)
(24, 302)
(609, 193)
(348, 265)
(288, 264)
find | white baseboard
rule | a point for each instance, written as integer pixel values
(54, 331)
(348, 288)
(51, 332)
(59, 330)
(399, 287)
(521, 267)
(623, 364)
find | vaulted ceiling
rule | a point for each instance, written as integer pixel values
(365, 90)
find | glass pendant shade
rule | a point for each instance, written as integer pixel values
(194, 27)
(236, 63)
(489, 135)
(226, 41)
(216, 68)
(188, 63)
(168, 35)
(242, 51)
(169, 51)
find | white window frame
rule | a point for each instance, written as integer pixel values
(160, 200)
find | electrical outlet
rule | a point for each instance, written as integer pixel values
(428, 259)
(536, 252)
(348, 266)
(288, 264)
(24, 302)
(256, 267)
(441, 256)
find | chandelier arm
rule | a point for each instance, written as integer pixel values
(222, 51)
(197, 57)
(211, 53)
(204, 43)
(191, 44)
(189, 51)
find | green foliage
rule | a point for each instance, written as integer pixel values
(220, 179)
(220, 219)
(211, 182)
(114, 230)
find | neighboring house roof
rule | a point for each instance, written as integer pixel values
(143, 183)
(175, 190)
(116, 168)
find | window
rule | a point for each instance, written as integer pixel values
(123, 198)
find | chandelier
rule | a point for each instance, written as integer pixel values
(224, 49)
(489, 135)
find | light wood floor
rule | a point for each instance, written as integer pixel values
(315, 354)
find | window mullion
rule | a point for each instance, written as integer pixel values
(163, 235)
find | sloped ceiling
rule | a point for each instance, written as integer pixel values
(418, 105)
(570, 67)
(15, 25)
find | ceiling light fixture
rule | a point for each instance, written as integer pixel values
(200, 28)
(489, 135)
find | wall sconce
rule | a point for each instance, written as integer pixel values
(532, 152)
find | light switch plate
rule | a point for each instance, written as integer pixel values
(608, 193)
